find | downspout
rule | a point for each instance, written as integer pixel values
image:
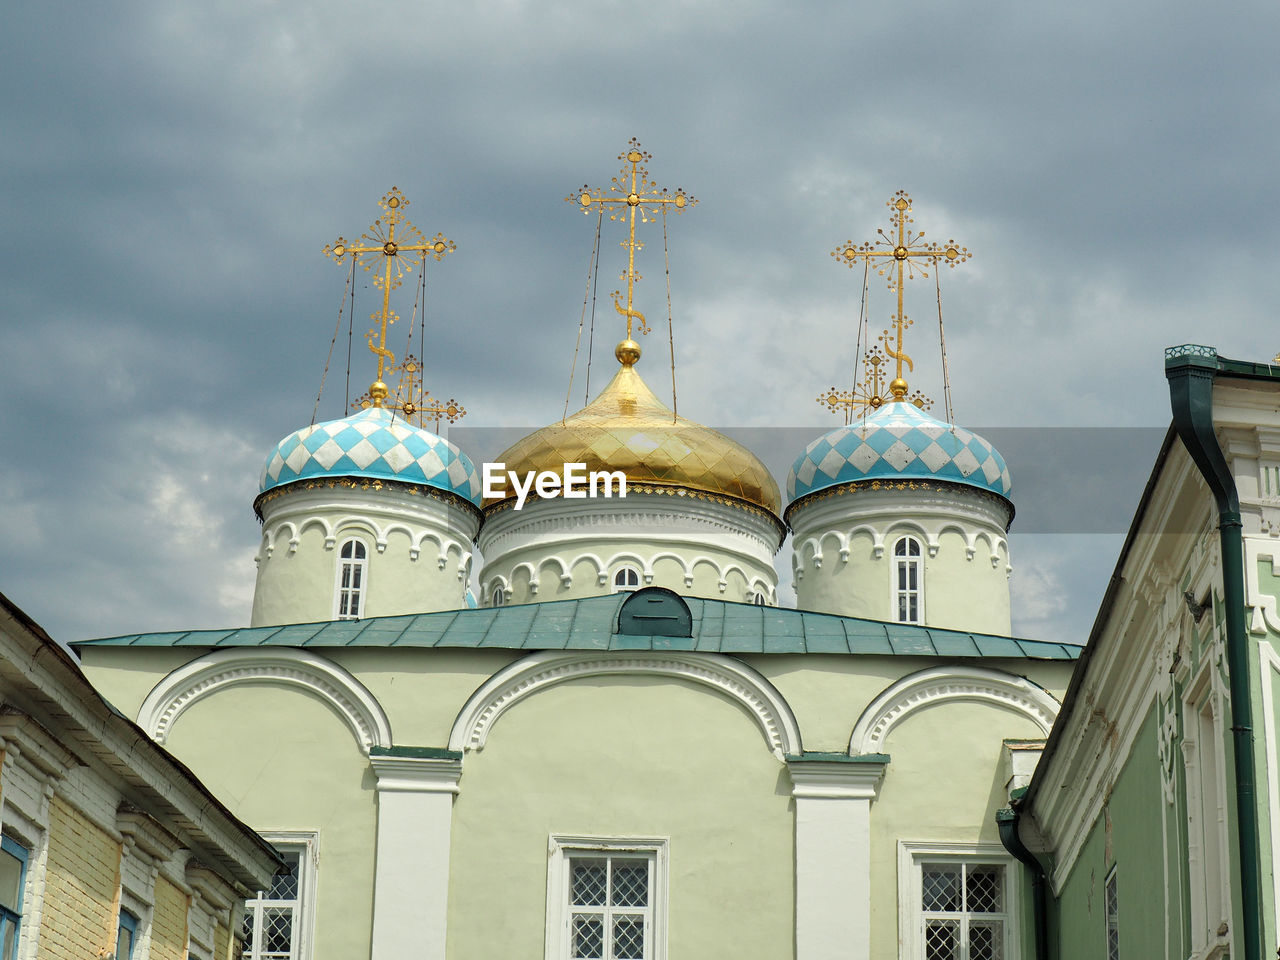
(1007, 820)
(1191, 371)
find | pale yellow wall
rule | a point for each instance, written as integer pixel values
(944, 783)
(82, 884)
(169, 922)
(422, 691)
(126, 675)
(299, 586)
(667, 572)
(283, 760)
(959, 593)
(618, 757)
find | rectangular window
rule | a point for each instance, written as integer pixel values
(606, 899)
(1206, 810)
(13, 876)
(956, 903)
(277, 922)
(1113, 917)
(126, 935)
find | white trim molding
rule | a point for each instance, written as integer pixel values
(205, 675)
(911, 856)
(537, 671)
(415, 823)
(938, 684)
(833, 795)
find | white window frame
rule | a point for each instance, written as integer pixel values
(911, 858)
(1204, 757)
(626, 573)
(1111, 898)
(561, 848)
(307, 844)
(362, 592)
(498, 595)
(906, 559)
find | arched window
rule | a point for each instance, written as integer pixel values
(498, 598)
(352, 579)
(908, 581)
(626, 580)
(759, 599)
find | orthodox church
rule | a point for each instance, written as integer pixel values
(624, 746)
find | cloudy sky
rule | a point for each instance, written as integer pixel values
(172, 172)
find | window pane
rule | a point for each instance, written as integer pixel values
(941, 887)
(284, 885)
(982, 889)
(986, 940)
(588, 937)
(346, 576)
(913, 574)
(355, 577)
(941, 940)
(277, 931)
(590, 879)
(10, 881)
(630, 883)
(8, 946)
(628, 938)
(359, 552)
(124, 944)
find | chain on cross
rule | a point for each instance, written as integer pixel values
(900, 258)
(632, 192)
(398, 247)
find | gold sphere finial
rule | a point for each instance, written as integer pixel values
(378, 392)
(627, 352)
(898, 387)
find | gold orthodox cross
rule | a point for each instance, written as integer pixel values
(870, 394)
(398, 254)
(632, 191)
(908, 253)
(412, 401)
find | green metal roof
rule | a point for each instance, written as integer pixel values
(591, 624)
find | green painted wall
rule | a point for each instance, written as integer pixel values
(1142, 828)
(618, 757)
(282, 760)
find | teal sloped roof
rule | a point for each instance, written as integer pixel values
(591, 624)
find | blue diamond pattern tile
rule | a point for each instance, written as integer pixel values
(899, 442)
(387, 446)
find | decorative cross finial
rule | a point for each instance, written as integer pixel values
(909, 254)
(412, 401)
(400, 254)
(870, 394)
(633, 190)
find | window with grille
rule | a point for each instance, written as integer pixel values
(626, 579)
(13, 875)
(352, 577)
(908, 593)
(606, 900)
(1113, 917)
(957, 902)
(277, 921)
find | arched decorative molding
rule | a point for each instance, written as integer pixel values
(538, 671)
(938, 684)
(198, 679)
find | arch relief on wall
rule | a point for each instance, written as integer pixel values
(538, 671)
(939, 684)
(206, 675)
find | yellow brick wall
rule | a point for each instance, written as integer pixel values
(221, 942)
(82, 879)
(169, 922)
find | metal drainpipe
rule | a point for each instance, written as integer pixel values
(1191, 378)
(1007, 820)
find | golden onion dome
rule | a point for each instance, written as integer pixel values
(629, 429)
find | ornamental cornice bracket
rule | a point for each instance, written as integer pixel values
(836, 776)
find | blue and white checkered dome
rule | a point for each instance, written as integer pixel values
(372, 443)
(899, 441)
